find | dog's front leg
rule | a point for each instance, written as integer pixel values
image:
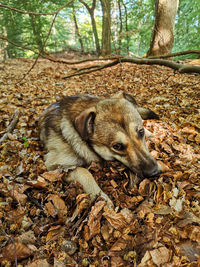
(85, 178)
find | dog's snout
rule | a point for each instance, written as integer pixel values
(151, 172)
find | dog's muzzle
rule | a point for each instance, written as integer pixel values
(152, 171)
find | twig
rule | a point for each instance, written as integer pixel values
(97, 67)
(11, 126)
(18, 45)
(88, 68)
(24, 12)
(41, 49)
(57, 60)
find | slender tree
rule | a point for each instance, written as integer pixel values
(106, 30)
(37, 31)
(120, 26)
(162, 39)
(77, 31)
(126, 27)
(94, 27)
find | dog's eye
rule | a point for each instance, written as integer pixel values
(119, 146)
(141, 132)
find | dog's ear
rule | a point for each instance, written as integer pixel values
(145, 113)
(84, 122)
(128, 97)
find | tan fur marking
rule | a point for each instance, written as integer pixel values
(121, 138)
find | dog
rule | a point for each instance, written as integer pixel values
(80, 129)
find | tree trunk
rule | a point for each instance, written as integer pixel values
(77, 30)
(106, 31)
(94, 27)
(162, 40)
(96, 38)
(37, 29)
(120, 27)
(126, 25)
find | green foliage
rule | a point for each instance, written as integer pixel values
(141, 19)
(26, 141)
(30, 30)
(187, 26)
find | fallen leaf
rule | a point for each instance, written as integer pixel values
(16, 250)
(52, 176)
(58, 204)
(160, 256)
(94, 219)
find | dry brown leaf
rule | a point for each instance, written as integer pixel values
(189, 249)
(83, 202)
(39, 263)
(39, 183)
(160, 256)
(17, 194)
(52, 176)
(188, 218)
(51, 210)
(106, 232)
(118, 220)
(16, 250)
(125, 242)
(197, 139)
(114, 184)
(27, 238)
(145, 187)
(143, 209)
(189, 130)
(164, 167)
(59, 204)
(93, 224)
(117, 261)
(54, 233)
(163, 210)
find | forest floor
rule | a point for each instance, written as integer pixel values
(47, 222)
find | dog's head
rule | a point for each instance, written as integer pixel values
(113, 128)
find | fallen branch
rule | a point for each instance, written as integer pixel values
(95, 68)
(57, 60)
(182, 53)
(182, 68)
(11, 126)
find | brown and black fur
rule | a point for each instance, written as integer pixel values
(80, 129)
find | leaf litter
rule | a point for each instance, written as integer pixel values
(47, 222)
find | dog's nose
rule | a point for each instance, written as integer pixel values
(150, 173)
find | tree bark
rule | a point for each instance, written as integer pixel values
(37, 29)
(77, 29)
(126, 26)
(162, 40)
(94, 27)
(106, 31)
(120, 27)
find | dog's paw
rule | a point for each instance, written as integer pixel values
(85, 178)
